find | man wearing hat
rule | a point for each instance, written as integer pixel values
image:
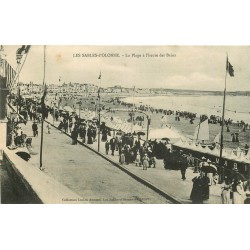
(183, 164)
(107, 147)
(112, 145)
(35, 129)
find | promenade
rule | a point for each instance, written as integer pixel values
(84, 172)
(99, 181)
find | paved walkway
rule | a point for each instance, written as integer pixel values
(70, 163)
(168, 181)
(87, 174)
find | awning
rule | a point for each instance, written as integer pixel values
(160, 133)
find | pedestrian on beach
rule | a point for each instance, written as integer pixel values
(233, 137)
(107, 147)
(237, 137)
(246, 148)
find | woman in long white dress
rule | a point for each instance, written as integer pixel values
(247, 191)
(225, 194)
(238, 192)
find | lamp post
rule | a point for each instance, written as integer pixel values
(36, 108)
(99, 120)
(12, 144)
(148, 119)
(54, 108)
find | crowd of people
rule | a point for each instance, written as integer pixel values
(131, 149)
(144, 154)
(213, 119)
(234, 188)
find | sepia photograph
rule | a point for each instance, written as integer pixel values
(124, 124)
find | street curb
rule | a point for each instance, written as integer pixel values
(124, 169)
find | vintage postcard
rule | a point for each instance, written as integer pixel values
(124, 124)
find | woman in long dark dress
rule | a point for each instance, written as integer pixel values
(197, 192)
(104, 136)
(82, 132)
(206, 187)
(89, 134)
(200, 190)
(74, 135)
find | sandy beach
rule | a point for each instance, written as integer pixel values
(183, 126)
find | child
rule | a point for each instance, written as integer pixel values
(145, 162)
(153, 161)
(122, 158)
(137, 159)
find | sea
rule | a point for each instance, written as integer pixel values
(237, 108)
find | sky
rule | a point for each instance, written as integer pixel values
(179, 67)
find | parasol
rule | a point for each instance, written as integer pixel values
(165, 139)
(238, 176)
(140, 133)
(209, 168)
(68, 109)
(119, 133)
